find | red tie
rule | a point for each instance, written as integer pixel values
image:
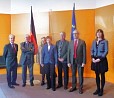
(13, 45)
(75, 48)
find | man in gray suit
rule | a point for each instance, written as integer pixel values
(62, 47)
(77, 59)
(27, 59)
(10, 56)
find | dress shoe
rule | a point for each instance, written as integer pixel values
(100, 93)
(96, 92)
(80, 91)
(72, 89)
(42, 83)
(48, 87)
(16, 84)
(53, 89)
(11, 86)
(59, 86)
(65, 87)
(24, 85)
(32, 84)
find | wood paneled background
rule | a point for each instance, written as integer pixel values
(87, 21)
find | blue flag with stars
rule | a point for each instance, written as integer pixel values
(73, 22)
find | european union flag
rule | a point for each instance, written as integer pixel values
(73, 22)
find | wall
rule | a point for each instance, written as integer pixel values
(85, 21)
(5, 29)
(88, 21)
(105, 20)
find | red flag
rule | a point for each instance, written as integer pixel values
(33, 34)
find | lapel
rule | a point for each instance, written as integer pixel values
(50, 48)
(79, 42)
(72, 45)
(10, 46)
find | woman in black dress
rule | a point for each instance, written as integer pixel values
(99, 64)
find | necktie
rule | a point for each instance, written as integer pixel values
(75, 48)
(59, 48)
(13, 46)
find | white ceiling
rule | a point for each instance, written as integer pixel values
(23, 6)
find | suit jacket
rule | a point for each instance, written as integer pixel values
(101, 51)
(27, 52)
(10, 55)
(49, 56)
(81, 52)
(64, 49)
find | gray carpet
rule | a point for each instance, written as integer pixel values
(38, 91)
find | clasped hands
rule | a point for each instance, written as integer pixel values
(95, 60)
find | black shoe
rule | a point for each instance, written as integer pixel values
(72, 89)
(32, 84)
(11, 86)
(53, 89)
(59, 86)
(42, 83)
(80, 91)
(96, 92)
(24, 85)
(48, 87)
(16, 84)
(100, 93)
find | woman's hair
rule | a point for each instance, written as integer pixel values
(49, 37)
(101, 31)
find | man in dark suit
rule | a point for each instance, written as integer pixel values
(10, 56)
(27, 59)
(49, 61)
(62, 47)
(77, 59)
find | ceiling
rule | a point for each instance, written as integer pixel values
(23, 6)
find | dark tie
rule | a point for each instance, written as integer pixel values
(13, 46)
(59, 48)
(75, 48)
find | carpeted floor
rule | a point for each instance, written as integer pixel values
(38, 91)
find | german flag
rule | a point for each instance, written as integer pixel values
(33, 34)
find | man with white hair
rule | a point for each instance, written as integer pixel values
(10, 56)
(27, 60)
(77, 59)
(62, 47)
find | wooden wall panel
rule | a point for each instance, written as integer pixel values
(85, 21)
(5, 30)
(88, 21)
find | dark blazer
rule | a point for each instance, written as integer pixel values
(49, 56)
(10, 55)
(102, 49)
(81, 52)
(27, 52)
(63, 50)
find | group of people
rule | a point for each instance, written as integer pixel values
(63, 55)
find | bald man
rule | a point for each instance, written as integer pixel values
(10, 56)
(27, 59)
